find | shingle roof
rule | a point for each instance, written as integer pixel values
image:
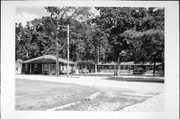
(47, 59)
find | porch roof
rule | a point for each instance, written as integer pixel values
(47, 59)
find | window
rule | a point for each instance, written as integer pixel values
(124, 67)
(129, 67)
(53, 66)
(26, 67)
(102, 67)
(160, 68)
(135, 67)
(106, 67)
(110, 67)
(35, 67)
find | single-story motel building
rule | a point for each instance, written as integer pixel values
(43, 65)
(47, 65)
(125, 67)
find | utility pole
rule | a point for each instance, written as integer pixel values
(57, 52)
(68, 50)
(57, 55)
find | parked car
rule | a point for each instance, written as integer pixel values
(138, 71)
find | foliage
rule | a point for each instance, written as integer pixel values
(41, 35)
(148, 45)
(138, 31)
(117, 34)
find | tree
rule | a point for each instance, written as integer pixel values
(115, 21)
(41, 30)
(146, 23)
(148, 46)
(99, 42)
(148, 39)
(118, 34)
(61, 17)
(26, 45)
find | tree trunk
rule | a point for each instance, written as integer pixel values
(96, 59)
(154, 67)
(95, 68)
(98, 56)
(27, 54)
(57, 59)
(118, 64)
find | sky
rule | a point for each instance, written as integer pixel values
(24, 14)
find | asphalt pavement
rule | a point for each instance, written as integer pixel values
(98, 81)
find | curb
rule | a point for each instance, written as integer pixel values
(89, 98)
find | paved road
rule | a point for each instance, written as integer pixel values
(98, 81)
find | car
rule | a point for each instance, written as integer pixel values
(138, 71)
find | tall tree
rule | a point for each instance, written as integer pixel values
(148, 38)
(99, 41)
(148, 46)
(115, 21)
(62, 16)
(120, 21)
(27, 42)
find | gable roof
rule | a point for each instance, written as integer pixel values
(47, 59)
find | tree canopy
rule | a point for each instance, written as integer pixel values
(116, 34)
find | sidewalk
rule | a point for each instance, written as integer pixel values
(97, 81)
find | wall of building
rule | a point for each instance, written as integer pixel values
(126, 69)
(45, 68)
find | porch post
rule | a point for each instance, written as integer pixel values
(30, 69)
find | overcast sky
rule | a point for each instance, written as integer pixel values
(24, 14)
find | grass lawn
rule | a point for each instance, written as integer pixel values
(41, 95)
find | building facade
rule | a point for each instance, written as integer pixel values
(46, 65)
(125, 67)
